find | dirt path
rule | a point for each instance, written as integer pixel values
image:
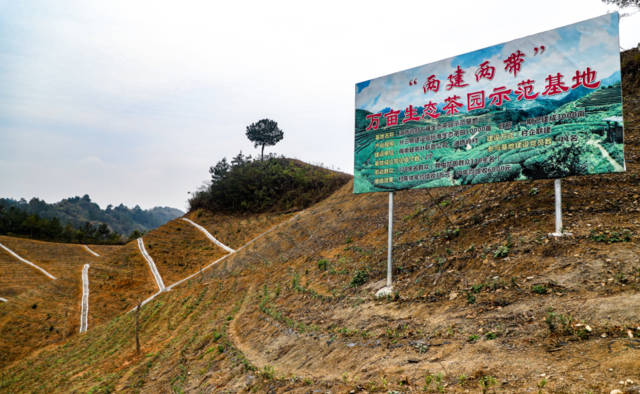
(213, 263)
(152, 265)
(90, 251)
(258, 359)
(14, 254)
(253, 356)
(84, 314)
(208, 234)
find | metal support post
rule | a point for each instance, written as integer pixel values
(558, 192)
(386, 291)
(390, 241)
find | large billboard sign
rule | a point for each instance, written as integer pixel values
(543, 106)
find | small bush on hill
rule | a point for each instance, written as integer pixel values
(361, 277)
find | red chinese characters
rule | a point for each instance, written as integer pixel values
(585, 79)
(374, 121)
(499, 94)
(452, 105)
(554, 85)
(456, 80)
(430, 110)
(475, 100)
(514, 62)
(432, 84)
(479, 99)
(525, 90)
(392, 117)
(485, 71)
(410, 113)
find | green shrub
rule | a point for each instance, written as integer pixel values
(559, 323)
(323, 264)
(539, 289)
(471, 299)
(268, 372)
(361, 277)
(501, 251)
(490, 335)
(295, 282)
(612, 236)
(486, 382)
(451, 233)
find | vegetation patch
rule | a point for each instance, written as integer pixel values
(361, 277)
(79, 220)
(611, 236)
(276, 184)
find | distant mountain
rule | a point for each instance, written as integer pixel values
(77, 211)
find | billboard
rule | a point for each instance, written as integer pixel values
(544, 106)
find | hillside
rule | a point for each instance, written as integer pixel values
(276, 184)
(77, 211)
(484, 300)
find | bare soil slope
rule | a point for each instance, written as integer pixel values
(484, 299)
(495, 303)
(39, 311)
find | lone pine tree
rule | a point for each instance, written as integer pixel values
(264, 132)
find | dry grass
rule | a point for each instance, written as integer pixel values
(315, 326)
(490, 298)
(17, 277)
(55, 258)
(39, 311)
(236, 230)
(179, 249)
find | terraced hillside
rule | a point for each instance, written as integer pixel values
(489, 300)
(236, 230)
(484, 300)
(39, 311)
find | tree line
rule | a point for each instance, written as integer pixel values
(76, 211)
(17, 222)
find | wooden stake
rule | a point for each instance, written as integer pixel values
(137, 329)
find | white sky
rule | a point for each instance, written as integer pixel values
(132, 101)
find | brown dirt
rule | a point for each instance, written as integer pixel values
(179, 249)
(39, 311)
(235, 230)
(55, 258)
(495, 303)
(17, 277)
